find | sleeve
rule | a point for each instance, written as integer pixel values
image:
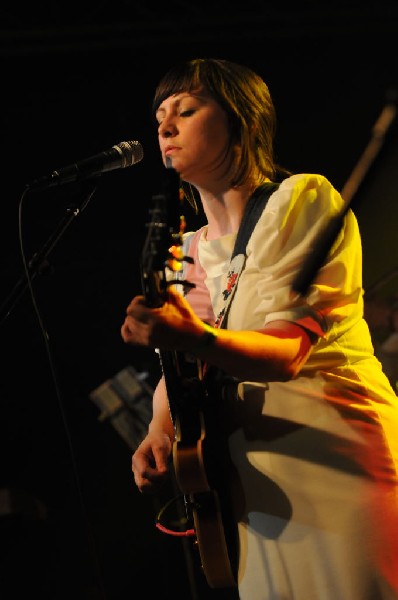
(286, 233)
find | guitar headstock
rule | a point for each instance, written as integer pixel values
(162, 251)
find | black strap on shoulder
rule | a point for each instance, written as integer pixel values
(215, 377)
(251, 215)
(253, 210)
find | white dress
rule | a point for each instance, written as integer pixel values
(317, 456)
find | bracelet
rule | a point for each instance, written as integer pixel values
(207, 339)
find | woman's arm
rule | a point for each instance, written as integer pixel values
(276, 353)
(150, 462)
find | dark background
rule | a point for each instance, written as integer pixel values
(76, 79)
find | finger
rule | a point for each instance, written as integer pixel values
(127, 335)
(149, 487)
(149, 479)
(136, 302)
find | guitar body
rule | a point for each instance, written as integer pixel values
(209, 509)
(201, 465)
(199, 450)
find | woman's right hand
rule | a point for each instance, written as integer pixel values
(150, 462)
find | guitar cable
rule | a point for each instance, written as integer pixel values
(167, 530)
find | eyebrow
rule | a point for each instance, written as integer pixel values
(175, 103)
(179, 99)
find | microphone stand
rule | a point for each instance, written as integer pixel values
(323, 244)
(38, 263)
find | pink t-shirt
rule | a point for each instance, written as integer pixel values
(198, 297)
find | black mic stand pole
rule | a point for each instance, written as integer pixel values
(323, 244)
(38, 263)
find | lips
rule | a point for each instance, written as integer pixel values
(169, 150)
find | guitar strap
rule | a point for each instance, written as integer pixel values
(253, 211)
(251, 215)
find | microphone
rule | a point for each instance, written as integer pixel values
(119, 156)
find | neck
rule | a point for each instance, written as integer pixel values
(224, 209)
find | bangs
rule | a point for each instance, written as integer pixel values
(181, 78)
(199, 75)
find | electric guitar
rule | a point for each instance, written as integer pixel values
(197, 459)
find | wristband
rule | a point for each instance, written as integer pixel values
(207, 339)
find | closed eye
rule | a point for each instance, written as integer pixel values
(184, 113)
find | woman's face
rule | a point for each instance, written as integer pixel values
(193, 133)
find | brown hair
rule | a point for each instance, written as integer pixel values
(246, 99)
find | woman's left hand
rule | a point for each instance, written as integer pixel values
(173, 326)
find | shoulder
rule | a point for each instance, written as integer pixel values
(301, 181)
(308, 188)
(191, 237)
(190, 241)
(301, 206)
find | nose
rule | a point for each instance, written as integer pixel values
(167, 127)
